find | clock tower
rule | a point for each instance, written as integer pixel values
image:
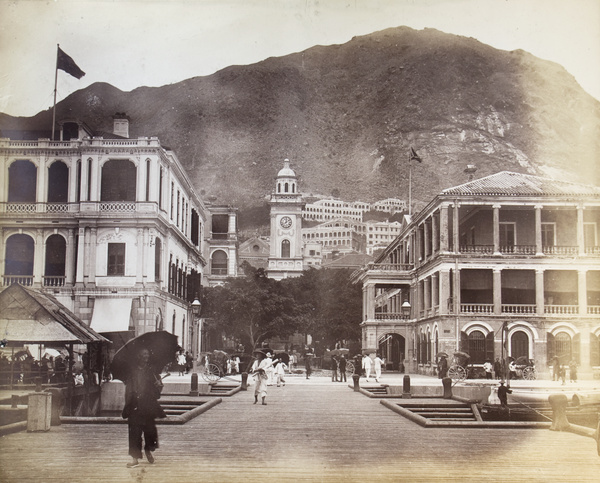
(285, 257)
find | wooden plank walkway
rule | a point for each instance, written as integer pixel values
(308, 432)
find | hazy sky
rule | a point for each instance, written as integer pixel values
(131, 43)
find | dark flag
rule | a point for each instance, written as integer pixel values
(415, 156)
(64, 62)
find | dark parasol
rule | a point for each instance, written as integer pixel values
(161, 344)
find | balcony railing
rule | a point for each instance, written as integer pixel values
(518, 249)
(561, 309)
(391, 267)
(391, 316)
(477, 308)
(479, 249)
(592, 250)
(560, 250)
(518, 308)
(26, 280)
(54, 281)
(218, 271)
(119, 207)
(593, 309)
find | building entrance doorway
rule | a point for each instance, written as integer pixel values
(392, 348)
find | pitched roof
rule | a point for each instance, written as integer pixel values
(32, 317)
(517, 184)
(349, 260)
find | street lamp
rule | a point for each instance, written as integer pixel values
(406, 309)
(196, 309)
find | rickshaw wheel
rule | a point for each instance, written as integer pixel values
(211, 373)
(457, 373)
(529, 373)
(349, 368)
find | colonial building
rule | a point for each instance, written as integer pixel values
(112, 227)
(507, 265)
(339, 235)
(286, 251)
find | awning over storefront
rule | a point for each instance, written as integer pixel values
(31, 317)
(111, 315)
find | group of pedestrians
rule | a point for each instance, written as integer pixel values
(370, 363)
(338, 368)
(265, 370)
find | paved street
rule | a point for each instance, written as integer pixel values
(310, 430)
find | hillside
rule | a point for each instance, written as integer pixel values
(346, 115)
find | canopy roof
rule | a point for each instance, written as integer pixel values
(31, 317)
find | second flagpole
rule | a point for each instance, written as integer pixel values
(55, 85)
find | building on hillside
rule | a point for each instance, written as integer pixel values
(340, 235)
(379, 234)
(110, 226)
(286, 251)
(390, 205)
(507, 258)
(329, 209)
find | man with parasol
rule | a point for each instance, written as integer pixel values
(261, 366)
(138, 364)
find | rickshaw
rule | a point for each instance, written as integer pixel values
(458, 370)
(525, 368)
(213, 365)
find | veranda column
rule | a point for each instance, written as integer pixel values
(140, 254)
(435, 240)
(580, 236)
(496, 228)
(426, 240)
(539, 292)
(38, 258)
(582, 291)
(539, 249)
(443, 228)
(427, 295)
(444, 290)
(80, 268)
(70, 258)
(455, 234)
(93, 248)
(370, 313)
(497, 290)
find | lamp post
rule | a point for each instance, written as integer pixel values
(406, 309)
(196, 310)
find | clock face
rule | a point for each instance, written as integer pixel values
(286, 222)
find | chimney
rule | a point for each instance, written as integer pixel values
(121, 124)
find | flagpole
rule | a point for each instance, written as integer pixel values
(55, 84)
(409, 183)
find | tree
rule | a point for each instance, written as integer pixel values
(251, 309)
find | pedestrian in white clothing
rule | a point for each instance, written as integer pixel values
(377, 363)
(367, 364)
(280, 368)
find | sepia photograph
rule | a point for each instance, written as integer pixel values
(304, 240)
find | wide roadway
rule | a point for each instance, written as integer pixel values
(310, 431)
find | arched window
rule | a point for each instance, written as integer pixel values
(19, 258)
(285, 249)
(519, 345)
(22, 182)
(58, 183)
(477, 347)
(219, 263)
(118, 181)
(563, 347)
(286, 188)
(54, 271)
